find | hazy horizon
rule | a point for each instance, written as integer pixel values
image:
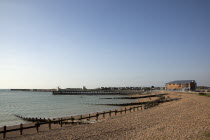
(103, 43)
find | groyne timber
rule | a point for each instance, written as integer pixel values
(138, 97)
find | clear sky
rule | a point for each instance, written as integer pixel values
(94, 43)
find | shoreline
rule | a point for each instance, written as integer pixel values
(119, 107)
(187, 118)
(69, 107)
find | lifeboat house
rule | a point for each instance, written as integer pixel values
(184, 85)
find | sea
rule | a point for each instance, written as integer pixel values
(46, 105)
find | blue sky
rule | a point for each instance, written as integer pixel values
(71, 43)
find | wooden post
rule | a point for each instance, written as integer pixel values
(110, 113)
(115, 112)
(80, 117)
(104, 114)
(21, 129)
(61, 122)
(72, 120)
(141, 107)
(138, 108)
(37, 127)
(97, 116)
(5, 131)
(125, 110)
(49, 123)
(89, 116)
(130, 109)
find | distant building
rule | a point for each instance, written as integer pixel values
(58, 88)
(185, 85)
(120, 88)
(84, 88)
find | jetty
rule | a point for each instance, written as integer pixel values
(86, 92)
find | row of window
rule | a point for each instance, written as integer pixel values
(174, 84)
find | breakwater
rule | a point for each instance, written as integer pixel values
(86, 93)
(138, 97)
(161, 99)
(80, 119)
(46, 105)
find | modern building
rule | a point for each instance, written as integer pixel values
(185, 85)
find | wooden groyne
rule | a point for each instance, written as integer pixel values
(79, 119)
(70, 120)
(161, 99)
(138, 97)
(32, 119)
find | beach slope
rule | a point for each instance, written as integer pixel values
(188, 118)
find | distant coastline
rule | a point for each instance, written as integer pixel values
(36, 90)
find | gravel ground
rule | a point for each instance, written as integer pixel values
(184, 119)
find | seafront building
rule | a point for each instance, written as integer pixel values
(184, 85)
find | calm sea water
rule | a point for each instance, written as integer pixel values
(46, 105)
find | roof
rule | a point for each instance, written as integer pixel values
(181, 82)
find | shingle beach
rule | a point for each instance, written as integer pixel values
(188, 118)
